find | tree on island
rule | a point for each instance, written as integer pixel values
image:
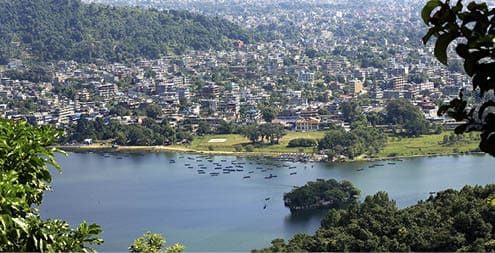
(471, 28)
(321, 194)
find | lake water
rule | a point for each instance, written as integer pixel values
(129, 194)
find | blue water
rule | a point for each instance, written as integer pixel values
(129, 194)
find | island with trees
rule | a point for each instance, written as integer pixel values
(321, 194)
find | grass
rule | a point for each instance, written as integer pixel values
(424, 145)
(201, 143)
(427, 145)
(396, 147)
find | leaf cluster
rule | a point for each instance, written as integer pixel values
(472, 27)
(25, 157)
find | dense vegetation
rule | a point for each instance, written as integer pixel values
(321, 194)
(411, 118)
(358, 141)
(450, 221)
(24, 176)
(70, 29)
(153, 243)
(148, 133)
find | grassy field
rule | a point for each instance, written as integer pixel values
(231, 140)
(427, 145)
(396, 147)
(424, 145)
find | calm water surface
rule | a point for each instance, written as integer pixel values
(129, 194)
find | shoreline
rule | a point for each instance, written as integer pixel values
(165, 149)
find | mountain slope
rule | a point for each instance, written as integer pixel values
(69, 29)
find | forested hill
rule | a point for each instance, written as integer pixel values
(70, 29)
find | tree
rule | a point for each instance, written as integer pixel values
(153, 111)
(24, 176)
(269, 113)
(402, 112)
(471, 27)
(203, 128)
(153, 243)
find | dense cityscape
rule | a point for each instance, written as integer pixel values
(262, 126)
(305, 78)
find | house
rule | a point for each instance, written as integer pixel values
(307, 124)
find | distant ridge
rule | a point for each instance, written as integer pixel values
(72, 30)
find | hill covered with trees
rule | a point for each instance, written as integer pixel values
(450, 221)
(69, 29)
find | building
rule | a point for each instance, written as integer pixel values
(307, 124)
(355, 87)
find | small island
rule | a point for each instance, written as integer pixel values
(321, 194)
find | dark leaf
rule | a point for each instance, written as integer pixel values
(429, 7)
(441, 45)
(484, 106)
(460, 129)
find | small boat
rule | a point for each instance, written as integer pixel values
(391, 163)
(293, 173)
(246, 177)
(251, 172)
(267, 198)
(172, 161)
(360, 169)
(240, 170)
(218, 168)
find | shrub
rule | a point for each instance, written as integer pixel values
(302, 142)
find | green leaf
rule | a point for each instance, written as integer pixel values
(441, 45)
(434, 30)
(429, 7)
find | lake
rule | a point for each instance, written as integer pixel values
(227, 203)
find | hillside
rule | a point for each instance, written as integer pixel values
(70, 29)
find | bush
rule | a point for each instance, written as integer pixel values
(302, 142)
(249, 148)
(237, 148)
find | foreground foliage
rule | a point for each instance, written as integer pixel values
(24, 176)
(471, 27)
(450, 221)
(153, 243)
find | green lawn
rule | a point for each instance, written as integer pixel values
(424, 145)
(202, 143)
(427, 144)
